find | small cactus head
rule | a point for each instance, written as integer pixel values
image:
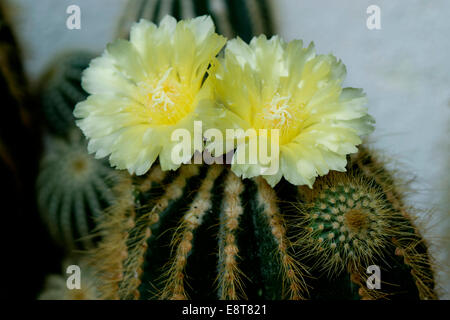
(73, 188)
(345, 222)
(61, 90)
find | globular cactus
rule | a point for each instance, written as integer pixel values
(72, 189)
(61, 90)
(243, 18)
(350, 221)
(203, 233)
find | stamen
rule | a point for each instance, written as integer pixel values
(279, 110)
(159, 94)
(160, 97)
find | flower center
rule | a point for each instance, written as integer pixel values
(283, 114)
(162, 95)
(278, 111)
(164, 100)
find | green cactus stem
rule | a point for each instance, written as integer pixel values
(72, 189)
(203, 233)
(61, 90)
(243, 18)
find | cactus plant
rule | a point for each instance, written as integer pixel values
(61, 90)
(351, 221)
(73, 188)
(243, 18)
(202, 232)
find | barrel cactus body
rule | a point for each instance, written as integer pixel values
(203, 233)
(73, 188)
(243, 18)
(61, 90)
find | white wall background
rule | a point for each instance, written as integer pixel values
(404, 69)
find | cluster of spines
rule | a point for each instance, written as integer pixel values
(294, 284)
(229, 274)
(127, 228)
(149, 216)
(111, 250)
(174, 287)
(410, 245)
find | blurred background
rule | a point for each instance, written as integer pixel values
(404, 68)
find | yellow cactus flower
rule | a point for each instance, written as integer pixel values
(270, 84)
(143, 89)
